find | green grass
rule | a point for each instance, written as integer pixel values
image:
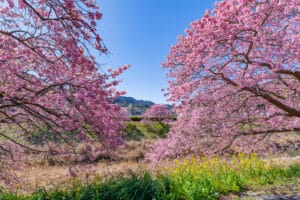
(190, 179)
(137, 130)
(139, 187)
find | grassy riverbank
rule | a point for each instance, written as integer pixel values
(193, 178)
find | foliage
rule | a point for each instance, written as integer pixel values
(235, 73)
(49, 77)
(190, 179)
(135, 118)
(132, 132)
(160, 129)
(293, 170)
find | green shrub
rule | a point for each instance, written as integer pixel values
(132, 132)
(293, 170)
(135, 118)
(143, 187)
(159, 129)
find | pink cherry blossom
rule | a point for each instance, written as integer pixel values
(50, 81)
(158, 112)
(235, 78)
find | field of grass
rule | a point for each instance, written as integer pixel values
(191, 178)
(136, 130)
(130, 177)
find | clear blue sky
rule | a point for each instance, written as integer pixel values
(140, 33)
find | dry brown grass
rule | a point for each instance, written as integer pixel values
(134, 150)
(285, 160)
(48, 177)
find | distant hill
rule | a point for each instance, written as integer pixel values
(134, 107)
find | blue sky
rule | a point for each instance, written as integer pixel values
(140, 33)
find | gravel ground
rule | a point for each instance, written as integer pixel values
(287, 191)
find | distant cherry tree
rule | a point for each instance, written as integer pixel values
(124, 115)
(49, 78)
(159, 113)
(235, 78)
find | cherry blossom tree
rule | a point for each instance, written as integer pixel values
(124, 115)
(49, 78)
(158, 112)
(235, 78)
